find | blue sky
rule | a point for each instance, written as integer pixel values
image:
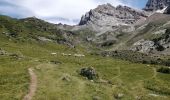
(58, 11)
(136, 3)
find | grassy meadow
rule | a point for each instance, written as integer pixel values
(116, 77)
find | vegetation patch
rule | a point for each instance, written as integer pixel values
(165, 70)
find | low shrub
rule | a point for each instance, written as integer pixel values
(165, 70)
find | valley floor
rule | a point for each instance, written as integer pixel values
(58, 75)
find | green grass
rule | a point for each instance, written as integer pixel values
(14, 80)
(130, 79)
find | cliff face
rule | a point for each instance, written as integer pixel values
(153, 5)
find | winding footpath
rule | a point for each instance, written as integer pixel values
(33, 85)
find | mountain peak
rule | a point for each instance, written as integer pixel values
(153, 5)
(106, 17)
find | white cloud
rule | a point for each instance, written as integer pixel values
(66, 9)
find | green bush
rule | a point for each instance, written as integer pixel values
(165, 70)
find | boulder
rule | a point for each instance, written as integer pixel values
(96, 98)
(89, 72)
(118, 96)
(2, 52)
(66, 78)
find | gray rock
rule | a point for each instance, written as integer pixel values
(89, 72)
(144, 46)
(160, 32)
(96, 98)
(66, 77)
(2, 52)
(16, 56)
(118, 96)
(44, 39)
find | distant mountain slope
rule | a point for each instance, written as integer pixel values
(125, 28)
(106, 28)
(34, 29)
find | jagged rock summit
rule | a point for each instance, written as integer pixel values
(153, 5)
(107, 17)
(157, 5)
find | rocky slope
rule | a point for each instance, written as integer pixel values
(152, 36)
(124, 28)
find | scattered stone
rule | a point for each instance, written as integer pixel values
(56, 62)
(148, 65)
(79, 55)
(155, 95)
(138, 97)
(118, 96)
(64, 54)
(96, 98)
(91, 80)
(53, 53)
(160, 32)
(2, 52)
(10, 34)
(44, 39)
(66, 78)
(89, 72)
(16, 56)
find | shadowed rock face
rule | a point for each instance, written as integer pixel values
(153, 5)
(167, 10)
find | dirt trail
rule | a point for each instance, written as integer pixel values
(119, 73)
(155, 73)
(33, 85)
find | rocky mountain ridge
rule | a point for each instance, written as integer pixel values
(125, 28)
(153, 5)
(108, 18)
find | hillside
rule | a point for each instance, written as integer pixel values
(115, 53)
(58, 75)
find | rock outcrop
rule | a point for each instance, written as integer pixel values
(89, 73)
(143, 46)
